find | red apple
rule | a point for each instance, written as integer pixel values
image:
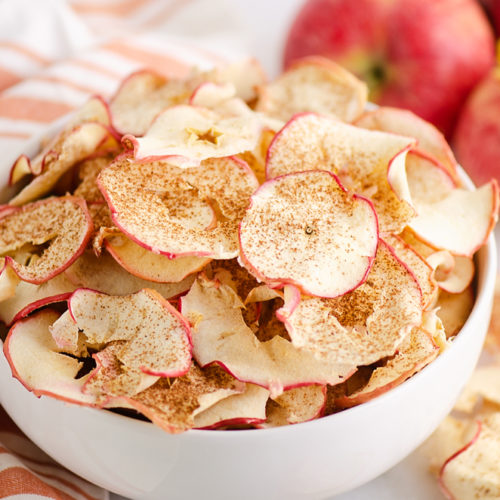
(477, 135)
(423, 55)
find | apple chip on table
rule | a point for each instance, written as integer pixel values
(232, 253)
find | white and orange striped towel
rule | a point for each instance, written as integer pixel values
(53, 56)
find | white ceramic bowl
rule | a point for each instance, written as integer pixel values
(306, 461)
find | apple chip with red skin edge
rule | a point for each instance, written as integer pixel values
(294, 406)
(247, 408)
(417, 350)
(95, 110)
(184, 136)
(180, 213)
(428, 181)
(472, 471)
(29, 297)
(362, 326)
(38, 364)
(431, 142)
(461, 222)
(454, 309)
(220, 335)
(157, 336)
(105, 275)
(420, 268)
(60, 227)
(453, 273)
(314, 84)
(306, 229)
(370, 163)
(173, 405)
(110, 380)
(72, 147)
(150, 266)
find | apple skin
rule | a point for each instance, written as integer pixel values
(422, 55)
(492, 8)
(476, 139)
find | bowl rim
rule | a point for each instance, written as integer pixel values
(484, 293)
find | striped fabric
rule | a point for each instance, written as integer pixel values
(53, 56)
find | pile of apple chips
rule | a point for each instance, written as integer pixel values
(222, 252)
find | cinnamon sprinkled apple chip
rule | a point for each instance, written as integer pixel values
(54, 233)
(193, 212)
(320, 237)
(370, 163)
(362, 326)
(314, 84)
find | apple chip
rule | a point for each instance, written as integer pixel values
(314, 84)
(178, 213)
(53, 232)
(368, 162)
(110, 381)
(150, 266)
(421, 269)
(247, 408)
(306, 229)
(454, 309)
(173, 405)
(431, 142)
(65, 144)
(461, 222)
(88, 170)
(416, 351)
(362, 326)
(105, 275)
(186, 135)
(37, 363)
(29, 297)
(156, 335)
(73, 147)
(472, 471)
(220, 335)
(453, 273)
(296, 405)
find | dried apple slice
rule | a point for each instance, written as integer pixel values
(416, 351)
(294, 406)
(88, 170)
(472, 471)
(173, 405)
(187, 135)
(256, 159)
(106, 275)
(148, 265)
(178, 218)
(247, 408)
(220, 335)
(453, 273)
(29, 297)
(94, 110)
(370, 163)
(428, 181)
(57, 231)
(461, 222)
(362, 326)
(306, 229)
(111, 380)
(431, 142)
(37, 363)
(72, 147)
(156, 335)
(420, 268)
(454, 309)
(314, 84)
